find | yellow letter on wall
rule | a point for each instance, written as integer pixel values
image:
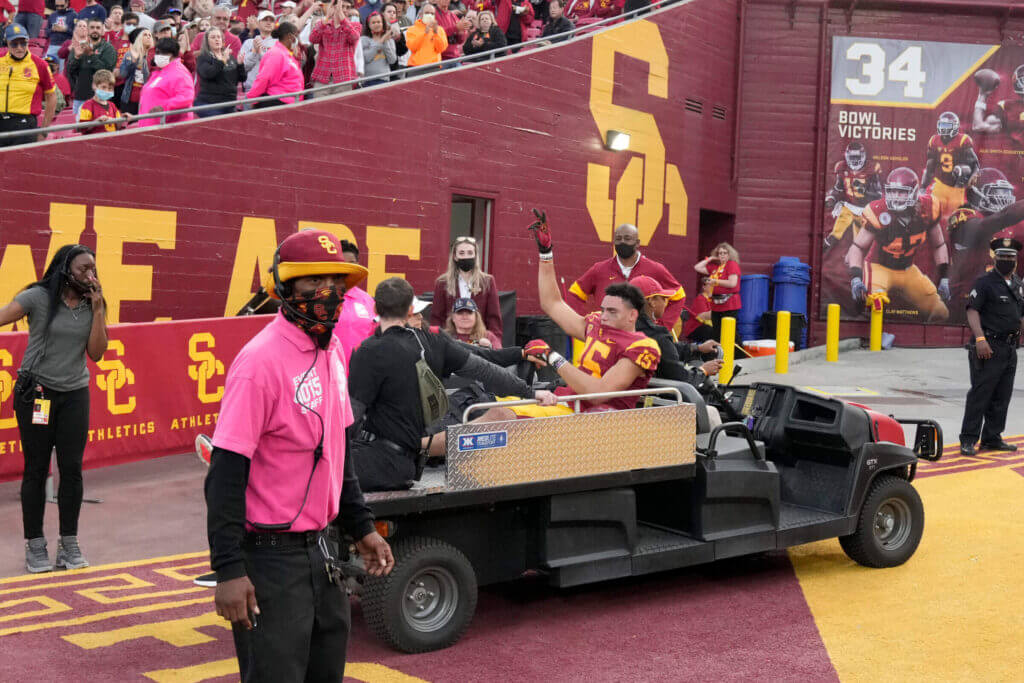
(382, 242)
(116, 226)
(256, 244)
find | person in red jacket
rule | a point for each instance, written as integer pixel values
(454, 28)
(723, 271)
(602, 9)
(698, 327)
(514, 19)
(464, 279)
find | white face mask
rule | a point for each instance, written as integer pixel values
(162, 60)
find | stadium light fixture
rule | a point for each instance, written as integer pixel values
(617, 141)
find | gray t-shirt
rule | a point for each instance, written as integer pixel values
(61, 364)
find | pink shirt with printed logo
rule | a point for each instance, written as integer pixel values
(267, 417)
(356, 321)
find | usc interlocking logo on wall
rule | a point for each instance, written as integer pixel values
(116, 376)
(6, 387)
(206, 366)
(648, 183)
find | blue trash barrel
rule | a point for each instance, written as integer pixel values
(790, 278)
(754, 295)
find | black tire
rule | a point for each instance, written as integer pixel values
(890, 524)
(428, 600)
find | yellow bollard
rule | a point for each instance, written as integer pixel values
(832, 334)
(782, 342)
(877, 303)
(728, 341)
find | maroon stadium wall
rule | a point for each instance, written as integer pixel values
(185, 217)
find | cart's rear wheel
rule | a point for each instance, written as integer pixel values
(428, 600)
(890, 525)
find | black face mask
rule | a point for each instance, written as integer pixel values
(316, 313)
(625, 250)
(1005, 267)
(465, 264)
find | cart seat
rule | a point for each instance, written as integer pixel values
(690, 395)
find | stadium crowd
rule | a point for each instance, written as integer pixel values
(149, 56)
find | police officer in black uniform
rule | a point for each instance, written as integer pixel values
(995, 314)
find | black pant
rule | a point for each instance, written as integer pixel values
(380, 468)
(67, 431)
(13, 122)
(268, 103)
(716, 322)
(301, 632)
(989, 396)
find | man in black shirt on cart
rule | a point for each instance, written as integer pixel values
(995, 314)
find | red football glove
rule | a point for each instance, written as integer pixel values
(538, 348)
(541, 232)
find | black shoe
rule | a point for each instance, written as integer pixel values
(998, 446)
(967, 449)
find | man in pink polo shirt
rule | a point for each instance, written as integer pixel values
(358, 316)
(280, 482)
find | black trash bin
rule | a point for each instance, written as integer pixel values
(797, 325)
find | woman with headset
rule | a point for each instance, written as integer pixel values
(66, 321)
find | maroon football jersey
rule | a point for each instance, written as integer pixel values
(1011, 116)
(854, 184)
(899, 235)
(949, 154)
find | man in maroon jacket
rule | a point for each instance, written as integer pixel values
(221, 19)
(627, 263)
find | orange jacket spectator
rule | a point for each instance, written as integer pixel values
(426, 44)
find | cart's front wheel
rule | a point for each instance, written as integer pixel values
(890, 525)
(428, 600)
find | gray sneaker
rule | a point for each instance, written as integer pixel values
(69, 555)
(36, 558)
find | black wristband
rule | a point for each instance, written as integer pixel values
(857, 272)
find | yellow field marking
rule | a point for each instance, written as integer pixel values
(62, 584)
(842, 391)
(101, 616)
(175, 573)
(108, 567)
(952, 612)
(176, 632)
(197, 673)
(367, 672)
(132, 582)
(51, 607)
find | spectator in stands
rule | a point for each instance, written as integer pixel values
(558, 23)
(63, 91)
(169, 88)
(455, 29)
(411, 10)
(723, 271)
(7, 13)
(603, 9)
(199, 9)
(486, 37)
(59, 26)
(514, 19)
(337, 34)
(80, 34)
(163, 29)
(131, 22)
(464, 279)
(397, 21)
(236, 27)
(632, 5)
(115, 18)
(368, 8)
(25, 80)
(280, 72)
(66, 322)
(101, 107)
(93, 10)
(219, 74)
(86, 60)
(31, 14)
(627, 263)
(254, 48)
(541, 10)
(220, 19)
(425, 39)
(482, 6)
(135, 69)
(378, 48)
(577, 9)
(138, 8)
(465, 324)
(698, 328)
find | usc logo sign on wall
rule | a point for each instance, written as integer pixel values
(206, 366)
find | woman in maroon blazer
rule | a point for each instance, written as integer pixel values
(465, 279)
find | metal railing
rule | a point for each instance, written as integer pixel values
(401, 74)
(575, 399)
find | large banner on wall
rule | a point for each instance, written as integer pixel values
(157, 387)
(925, 163)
